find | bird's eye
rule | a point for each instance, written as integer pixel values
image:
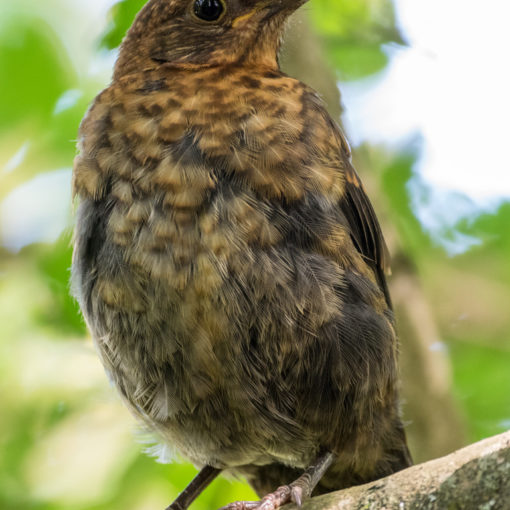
(208, 10)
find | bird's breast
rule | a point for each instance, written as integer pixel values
(208, 240)
(191, 164)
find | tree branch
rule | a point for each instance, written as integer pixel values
(474, 478)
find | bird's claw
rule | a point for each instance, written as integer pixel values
(241, 505)
(297, 495)
(281, 496)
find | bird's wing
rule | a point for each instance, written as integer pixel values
(365, 230)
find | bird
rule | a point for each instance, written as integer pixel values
(228, 262)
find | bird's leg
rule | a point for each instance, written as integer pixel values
(303, 487)
(296, 492)
(195, 487)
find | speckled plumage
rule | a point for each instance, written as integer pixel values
(227, 260)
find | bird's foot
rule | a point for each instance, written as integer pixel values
(296, 492)
(293, 493)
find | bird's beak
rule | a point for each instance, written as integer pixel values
(272, 8)
(287, 5)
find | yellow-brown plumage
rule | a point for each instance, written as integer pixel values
(227, 259)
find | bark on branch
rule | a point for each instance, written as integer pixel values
(474, 478)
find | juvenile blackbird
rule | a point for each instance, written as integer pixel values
(228, 261)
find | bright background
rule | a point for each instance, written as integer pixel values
(425, 92)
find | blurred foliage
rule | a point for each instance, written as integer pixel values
(53, 265)
(65, 439)
(122, 15)
(469, 294)
(35, 72)
(354, 34)
(31, 39)
(395, 178)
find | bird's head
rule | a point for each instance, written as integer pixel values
(197, 33)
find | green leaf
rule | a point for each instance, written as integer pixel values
(54, 265)
(122, 15)
(482, 382)
(354, 32)
(34, 71)
(355, 61)
(395, 178)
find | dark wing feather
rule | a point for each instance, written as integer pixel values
(365, 229)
